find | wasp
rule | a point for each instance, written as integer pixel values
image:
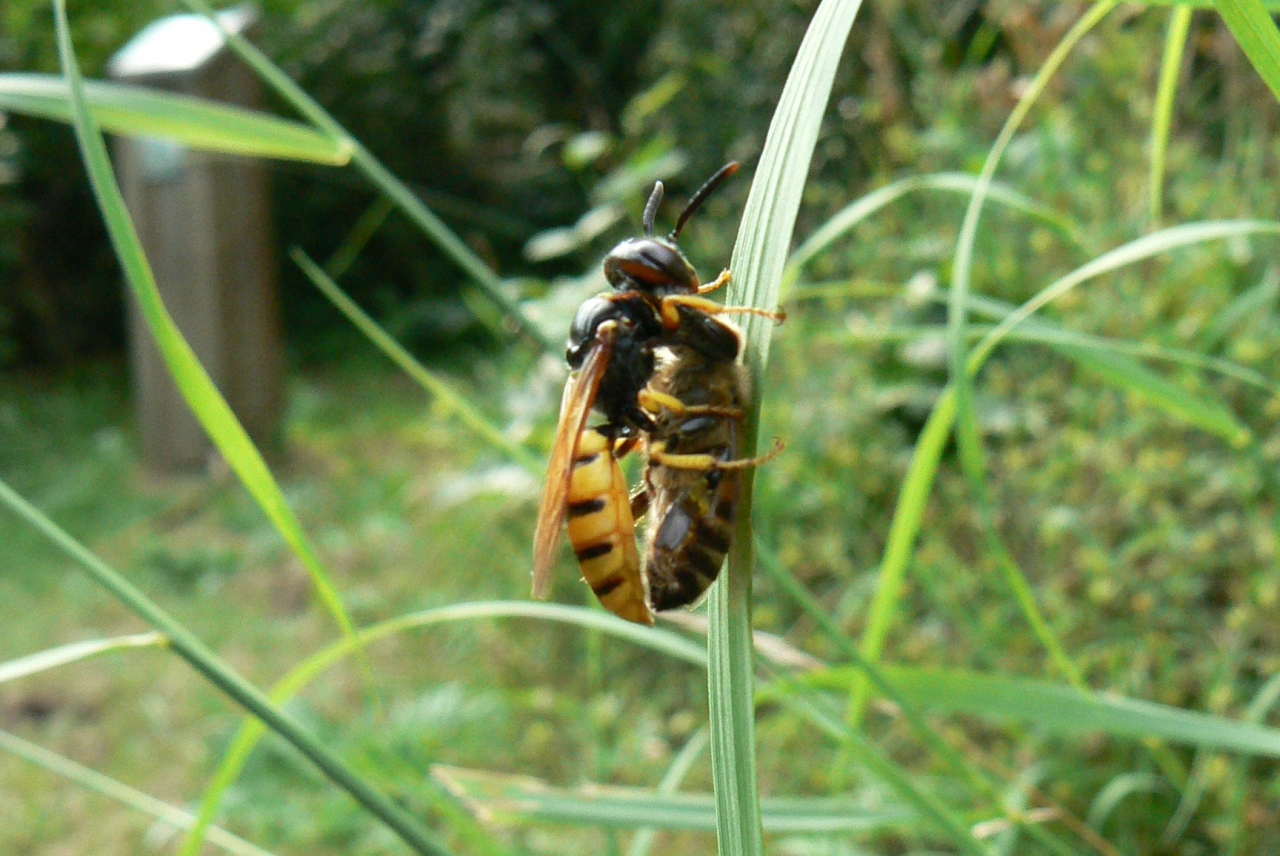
(614, 345)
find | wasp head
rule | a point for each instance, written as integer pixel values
(651, 265)
(655, 266)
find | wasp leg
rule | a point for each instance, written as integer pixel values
(659, 455)
(623, 446)
(719, 282)
(670, 309)
(655, 402)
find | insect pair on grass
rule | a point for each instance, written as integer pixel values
(654, 358)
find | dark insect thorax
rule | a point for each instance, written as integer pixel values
(631, 361)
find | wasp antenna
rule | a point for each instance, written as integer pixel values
(696, 200)
(651, 208)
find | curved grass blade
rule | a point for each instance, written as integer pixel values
(112, 789)
(185, 644)
(382, 178)
(933, 437)
(1201, 411)
(252, 730)
(642, 841)
(759, 255)
(969, 773)
(967, 434)
(915, 492)
(1137, 250)
(74, 652)
(523, 799)
(962, 264)
(1263, 701)
(452, 400)
(826, 718)
(135, 111)
(1256, 33)
(1260, 299)
(660, 641)
(847, 219)
(1040, 333)
(1058, 709)
(189, 376)
(1175, 42)
(1117, 791)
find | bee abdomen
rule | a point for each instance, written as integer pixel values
(679, 576)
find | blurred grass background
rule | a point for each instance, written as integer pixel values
(1150, 546)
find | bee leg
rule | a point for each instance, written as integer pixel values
(655, 402)
(719, 282)
(670, 305)
(706, 463)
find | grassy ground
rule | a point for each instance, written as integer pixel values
(1148, 546)
(408, 514)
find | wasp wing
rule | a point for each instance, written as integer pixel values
(575, 406)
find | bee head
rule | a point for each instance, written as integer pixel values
(655, 266)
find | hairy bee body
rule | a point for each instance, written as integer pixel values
(602, 530)
(691, 506)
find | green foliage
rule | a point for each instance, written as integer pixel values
(1109, 514)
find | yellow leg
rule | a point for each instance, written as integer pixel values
(719, 282)
(706, 463)
(710, 307)
(655, 402)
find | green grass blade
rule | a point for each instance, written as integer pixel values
(1199, 410)
(759, 255)
(526, 800)
(1273, 5)
(642, 841)
(192, 381)
(1255, 32)
(382, 178)
(1049, 335)
(73, 653)
(110, 788)
(1058, 709)
(662, 642)
(453, 402)
(1148, 246)
(196, 123)
(183, 643)
(971, 775)
(825, 717)
(1258, 300)
(918, 483)
(967, 433)
(1162, 120)
(847, 219)
(1117, 791)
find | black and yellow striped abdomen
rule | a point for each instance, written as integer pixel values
(602, 530)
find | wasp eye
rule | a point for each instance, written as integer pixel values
(582, 332)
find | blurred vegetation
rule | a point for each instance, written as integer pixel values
(1151, 548)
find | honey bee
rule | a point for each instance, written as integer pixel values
(614, 342)
(698, 395)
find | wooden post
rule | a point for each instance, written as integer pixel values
(204, 221)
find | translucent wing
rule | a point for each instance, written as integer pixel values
(575, 407)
